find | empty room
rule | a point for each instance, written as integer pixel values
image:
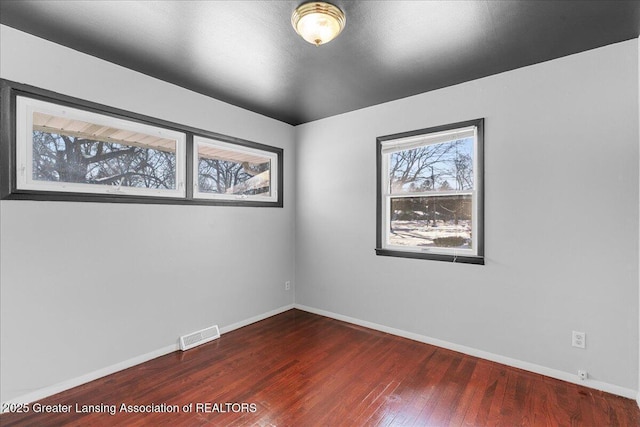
(292, 213)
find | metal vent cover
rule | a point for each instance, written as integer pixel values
(199, 337)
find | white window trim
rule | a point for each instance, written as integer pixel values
(273, 174)
(25, 107)
(394, 145)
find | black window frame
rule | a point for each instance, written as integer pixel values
(479, 258)
(10, 90)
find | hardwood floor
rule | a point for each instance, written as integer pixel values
(300, 369)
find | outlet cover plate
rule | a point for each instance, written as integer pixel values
(578, 339)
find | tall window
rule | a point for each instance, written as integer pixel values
(430, 202)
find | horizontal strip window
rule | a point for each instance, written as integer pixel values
(54, 147)
(430, 203)
(229, 172)
(65, 149)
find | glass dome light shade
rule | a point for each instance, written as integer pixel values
(318, 22)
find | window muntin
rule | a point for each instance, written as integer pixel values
(233, 172)
(430, 184)
(65, 149)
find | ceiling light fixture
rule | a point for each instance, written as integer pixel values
(318, 22)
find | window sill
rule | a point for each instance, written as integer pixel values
(51, 196)
(478, 260)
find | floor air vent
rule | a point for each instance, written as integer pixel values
(199, 337)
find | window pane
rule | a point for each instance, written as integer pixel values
(224, 171)
(74, 151)
(446, 166)
(434, 221)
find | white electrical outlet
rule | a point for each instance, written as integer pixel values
(287, 285)
(578, 339)
(582, 374)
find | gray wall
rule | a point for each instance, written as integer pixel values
(562, 227)
(85, 286)
(561, 156)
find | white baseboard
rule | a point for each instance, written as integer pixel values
(254, 319)
(638, 399)
(554, 373)
(83, 379)
(527, 366)
(91, 376)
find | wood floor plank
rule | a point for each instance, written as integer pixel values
(301, 369)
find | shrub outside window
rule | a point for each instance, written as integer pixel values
(430, 185)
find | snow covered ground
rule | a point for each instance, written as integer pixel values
(421, 233)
